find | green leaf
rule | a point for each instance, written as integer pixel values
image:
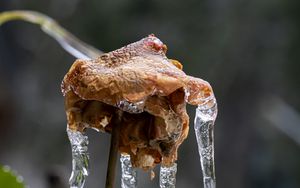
(9, 179)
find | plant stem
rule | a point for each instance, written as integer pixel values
(113, 152)
(69, 42)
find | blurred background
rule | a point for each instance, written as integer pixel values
(248, 50)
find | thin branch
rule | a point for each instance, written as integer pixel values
(113, 152)
(69, 42)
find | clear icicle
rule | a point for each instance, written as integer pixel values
(129, 174)
(167, 176)
(80, 158)
(204, 127)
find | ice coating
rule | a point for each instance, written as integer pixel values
(167, 176)
(128, 173)
(134, 108)
(80, 158)
(206, 114)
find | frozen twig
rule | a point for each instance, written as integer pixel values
(69, 42)
(113, 152)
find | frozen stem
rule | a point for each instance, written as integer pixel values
(113, 152)
(69, 42)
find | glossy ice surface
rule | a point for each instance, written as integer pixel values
(204, 127)
(167, 176)
(129, 174)
(80, 158)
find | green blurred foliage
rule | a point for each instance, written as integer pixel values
(9, 179)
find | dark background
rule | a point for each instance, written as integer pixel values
(248, 50)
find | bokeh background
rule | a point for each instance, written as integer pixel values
(248, 50)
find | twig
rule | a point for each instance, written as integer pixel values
(69, 42)
(113, 152)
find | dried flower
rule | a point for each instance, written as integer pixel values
(151, 89)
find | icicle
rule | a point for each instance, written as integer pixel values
(129, 174)
(167, 176)
(80, 162)
(204, 126)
